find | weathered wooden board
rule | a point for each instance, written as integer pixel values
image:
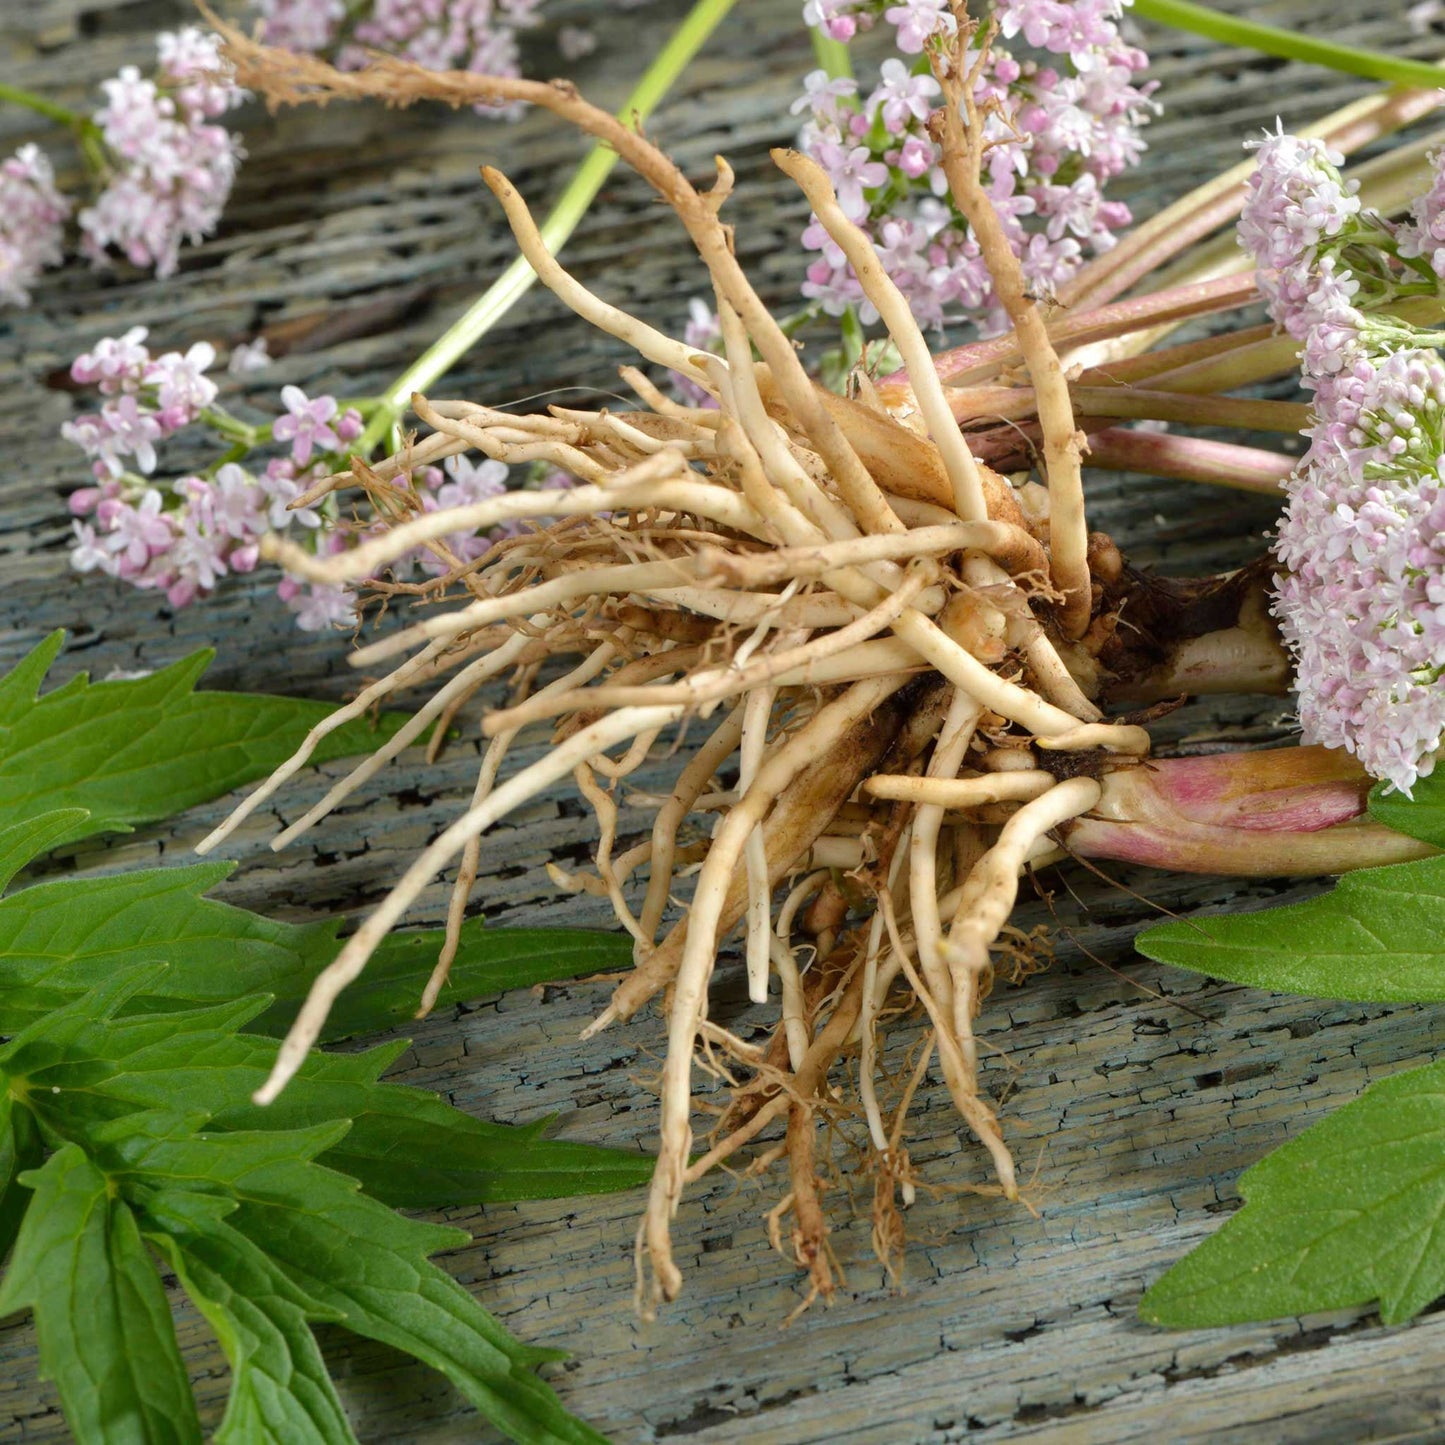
(1135, 1093)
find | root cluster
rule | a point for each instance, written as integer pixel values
(885, 656)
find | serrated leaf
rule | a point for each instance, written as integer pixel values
(20, 842)
(1421, 816)
(1378, 936)
(281, 1393)
(101, 1316)
(136, 751)
(407, 1147)
(353, 1255)
(59, 939)
(1351, 1212)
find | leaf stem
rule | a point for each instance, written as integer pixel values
(60, 114)
(1290, 44)
(499, 298)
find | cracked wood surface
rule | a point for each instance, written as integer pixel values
(1134, 1093)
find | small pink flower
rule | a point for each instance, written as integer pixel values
(136, 533)
(90, 554)
(305, 425)
(918, 21)
(249, 356)
(183, 390)
(349, 425)
(118, 363)
(901, 96)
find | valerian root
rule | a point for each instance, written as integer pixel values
(897, 663)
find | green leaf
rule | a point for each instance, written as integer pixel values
(20, 842)
(410, 1149)
(358, 1259)
(148, 1112)
(137, 751)
(101, 1316)
(281, 1393)
(1422, 816)
(1351, 1212)
(60, 938)
(1378, 936)
(489, 961)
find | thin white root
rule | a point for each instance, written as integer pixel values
(757, 711)
(636, 334)
(897, 316)
(998, 539)
(948, 755)
(962, 136)
(349, 963)
(872, 1001)
(700, 951)
(364, 701)
(471, 676)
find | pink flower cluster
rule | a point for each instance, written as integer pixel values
(1363, 604)
(1060, 131)
(171, 168)
(164, 170)
(1363, 534)
(32, 222)
(183, 537)
(478, 35)
(1423, 234)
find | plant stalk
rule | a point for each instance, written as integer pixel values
(1289, 44)
(1191, 459)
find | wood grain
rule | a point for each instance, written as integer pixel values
(1134, 1093)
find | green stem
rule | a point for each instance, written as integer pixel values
(494, 303)
(233, 429)
(831, 55)
(1290, 44)
(61, 114)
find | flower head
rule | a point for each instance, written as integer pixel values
(1057, 134)
(1363, 537)
(32, 222)
(173, 168)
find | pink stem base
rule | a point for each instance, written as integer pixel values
(1285, 812)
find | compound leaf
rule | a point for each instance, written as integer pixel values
(101, 1316)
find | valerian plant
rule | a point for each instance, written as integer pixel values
(918, 671)
(141, 1016)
